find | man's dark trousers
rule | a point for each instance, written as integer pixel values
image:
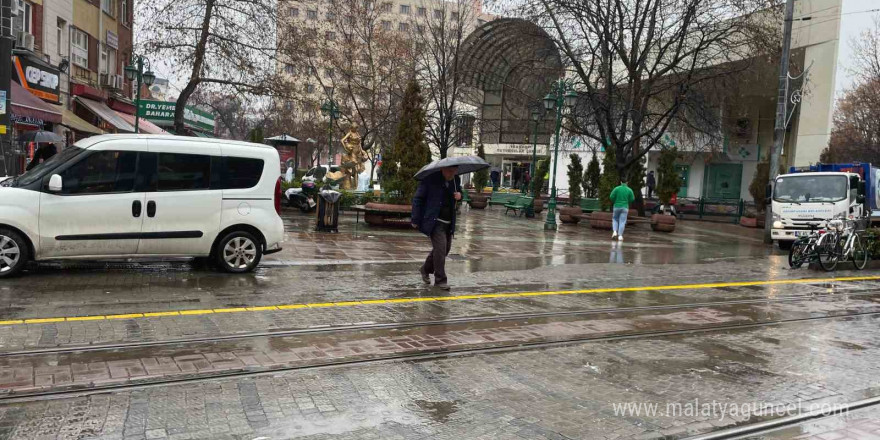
(441, 241)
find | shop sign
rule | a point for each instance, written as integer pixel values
(40, 80)
(2, 102)
(26, 120)
(162, 113)
(112, 40)
(514, 149)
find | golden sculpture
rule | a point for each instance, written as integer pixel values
(353, 159)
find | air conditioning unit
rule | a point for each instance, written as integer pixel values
(25, 40)
(120, 82)
(108, 80)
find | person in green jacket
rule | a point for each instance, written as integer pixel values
(621, 197)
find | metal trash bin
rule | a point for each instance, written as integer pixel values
(328, 211)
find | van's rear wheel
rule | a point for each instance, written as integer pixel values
(238, 252)
(13, 253)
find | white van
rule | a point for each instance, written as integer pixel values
(129, 196)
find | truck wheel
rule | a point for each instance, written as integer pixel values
(784, 245)
(14, 253)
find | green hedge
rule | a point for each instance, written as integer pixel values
(873, 242)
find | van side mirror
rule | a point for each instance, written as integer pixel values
(55, 183)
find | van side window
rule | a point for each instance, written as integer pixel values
(240, 172)
(101, 172)
(184, 172)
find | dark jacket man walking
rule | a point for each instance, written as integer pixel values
(433, 214)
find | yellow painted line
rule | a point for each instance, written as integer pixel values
(150, 315)
(292, 306)
(87, 318)
(196, 312)
(441, 298)
(231, 310)
(42, 320)
(127, 316)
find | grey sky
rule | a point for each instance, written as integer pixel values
(852, 25)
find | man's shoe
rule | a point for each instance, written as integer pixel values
(442, 286)
(425, 277)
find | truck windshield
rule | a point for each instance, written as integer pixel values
(810, 188)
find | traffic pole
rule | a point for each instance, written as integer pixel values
(6, 44)
(781, 113)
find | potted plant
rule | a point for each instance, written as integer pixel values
(609, 179)
(571, 214)
(406, 156)
(668, 184)
(542, 168)
(481, 179)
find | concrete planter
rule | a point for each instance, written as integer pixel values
(388, 215)
(479, 201)
(570, 215)
(663, 223)
(601, 220)
(538, 205)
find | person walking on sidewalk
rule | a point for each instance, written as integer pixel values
(433, 214)
(621, 197)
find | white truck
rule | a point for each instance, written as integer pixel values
(807, 198)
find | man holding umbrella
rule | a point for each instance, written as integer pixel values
(433, 211)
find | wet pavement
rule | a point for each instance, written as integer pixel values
(544, 335)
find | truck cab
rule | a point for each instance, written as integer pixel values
(806, 201)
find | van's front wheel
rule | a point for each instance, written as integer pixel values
(238, 252)
(13, 253)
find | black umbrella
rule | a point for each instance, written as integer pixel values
(465, 164)
(40, 137)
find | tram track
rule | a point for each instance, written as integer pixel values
(402, 325)
(415, 355)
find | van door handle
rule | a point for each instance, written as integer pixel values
(151, 209)
(136, 208)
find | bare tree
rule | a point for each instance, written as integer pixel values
(440, 29)
(228, 44)
(235, 115)
(356, 59)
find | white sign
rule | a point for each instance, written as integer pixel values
(112, 40)
(514, 149)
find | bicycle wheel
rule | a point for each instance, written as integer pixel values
(797, 254)
(827, 253)
(859, 253)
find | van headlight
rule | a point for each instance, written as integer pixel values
(777, 225)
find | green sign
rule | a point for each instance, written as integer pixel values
(161, 113)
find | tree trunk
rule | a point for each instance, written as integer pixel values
(195, 77)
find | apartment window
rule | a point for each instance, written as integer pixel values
(27, 16)
(313, 71)
(423, 12)
(59, 37)
(403, 27)
(331, 16)
(330, 36)
(386, 7)
(109, 7)
(328, 73)
(310, 88)
(438, 14)
(386, 25)
(368, 5)
(404, 9)
(111, 61)
(312, 14)
(455, 16)
(79, 43)
(288, 105)
(123, 9)
(289, 69)
(420, 28)
(293, 12)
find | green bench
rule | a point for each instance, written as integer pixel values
(519, 205)
(590, 205)
(500, 198)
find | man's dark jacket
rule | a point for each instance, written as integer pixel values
(428, 201)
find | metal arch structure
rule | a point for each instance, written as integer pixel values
(512, 63)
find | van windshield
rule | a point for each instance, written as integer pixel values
(810, 188)
(41, 170)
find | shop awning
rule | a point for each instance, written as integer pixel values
(144, 125)
(27, 105)
(202, 135)
(74, 122)
(106, 113)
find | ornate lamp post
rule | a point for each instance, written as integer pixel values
(133, 71)
(331, 109)
(561, 95)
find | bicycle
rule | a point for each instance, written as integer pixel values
(803, 250)
(841, 242)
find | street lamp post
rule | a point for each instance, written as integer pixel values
(331, 109)
(536, 117)
(133, 71)
(561, 95)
